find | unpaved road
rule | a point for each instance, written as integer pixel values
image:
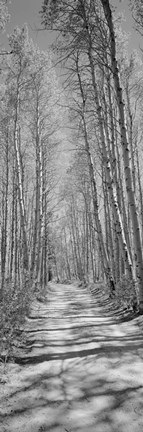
(82, 370)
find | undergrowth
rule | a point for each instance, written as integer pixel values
(14, 307)
(126, 294)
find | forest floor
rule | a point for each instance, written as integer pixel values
(81, 369)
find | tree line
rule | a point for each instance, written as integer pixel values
(30, 125)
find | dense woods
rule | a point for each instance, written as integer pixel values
(104, 229)
(29, 123)
(89, 226)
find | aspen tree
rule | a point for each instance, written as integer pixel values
(111, 186)
(125, 148)
(12, 223)
(66, 254)
(18, 43)
(20, 187)
(4, 225)
(140, 191)
(83, 43)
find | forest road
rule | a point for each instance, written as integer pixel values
(82, 370)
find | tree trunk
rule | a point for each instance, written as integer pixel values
(109, 177)
(20, 188)
(125, 149)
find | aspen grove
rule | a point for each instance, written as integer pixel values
(105, 88)
(76, 217)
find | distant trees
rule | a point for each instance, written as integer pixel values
(76, 232)
(101, 109)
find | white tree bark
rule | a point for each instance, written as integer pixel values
(19, 176)
(125, 150)
(110, 180)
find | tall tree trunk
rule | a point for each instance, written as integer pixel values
(103, 252)
(109, 177)
(12, 223)
(36, 230)
(80, 268)
(5, 217)
(66, 253)
(140, 192)
(73, 252)
(19, 177)
(125, 149)
(16, 238)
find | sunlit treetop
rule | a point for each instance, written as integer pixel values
(49, 12)
(137, 11)
(4, 15)
(58, 13)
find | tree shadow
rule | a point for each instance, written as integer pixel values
(71, 400)
(79, 376)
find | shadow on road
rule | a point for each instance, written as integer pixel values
(81, 369)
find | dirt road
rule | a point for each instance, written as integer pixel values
(82, 370)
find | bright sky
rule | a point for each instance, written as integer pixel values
(122, 6)
(27, 11)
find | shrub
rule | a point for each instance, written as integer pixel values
(13, 310)
(126, 293)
